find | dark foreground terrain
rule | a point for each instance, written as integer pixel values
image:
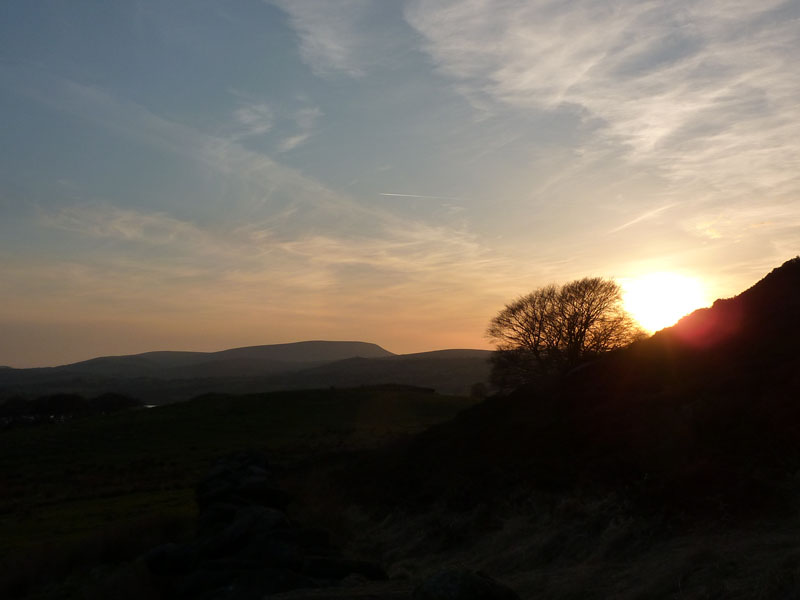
(670, 469)
(79, 496)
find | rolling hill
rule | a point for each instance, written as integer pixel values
(160, 377)
(272, 357)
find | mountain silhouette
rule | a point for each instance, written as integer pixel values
(272, 357)
(167, 376)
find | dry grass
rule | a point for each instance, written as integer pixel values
(543, 546)
(578, 548)
(92, 561)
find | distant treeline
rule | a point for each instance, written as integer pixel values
(60, 407)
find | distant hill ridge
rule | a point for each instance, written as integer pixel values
(302, 352)
(161, 376)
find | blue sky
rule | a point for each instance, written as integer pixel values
(216, 173)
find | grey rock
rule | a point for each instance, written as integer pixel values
(171, 559)
(255, 585)
(241, 479)
(205, 583)
(462, 585)
(217, 516)
(254, 522)
(326, 567)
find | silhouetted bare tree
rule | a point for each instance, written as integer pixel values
(552, 329)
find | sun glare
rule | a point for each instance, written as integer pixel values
(658, 300)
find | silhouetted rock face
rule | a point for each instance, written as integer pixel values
(246, 547)
(462, 585)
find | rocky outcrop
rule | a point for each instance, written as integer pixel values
(246, 546)
(462, 585)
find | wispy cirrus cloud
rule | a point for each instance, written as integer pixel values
(264, 248)
(261, 180)
(704, 91)
(275, 225)
(347, 37)
(254, 118)
(409, 251)
(279, 243)
(107, 221)
(304, 120)
(775, 222)
(329, 32)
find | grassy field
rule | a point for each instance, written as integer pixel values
(117, 484)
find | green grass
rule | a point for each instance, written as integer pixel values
(109, 487)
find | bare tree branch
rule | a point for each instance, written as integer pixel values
(554, 328)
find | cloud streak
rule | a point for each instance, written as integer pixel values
(261, 180)
(118, 223)
(409, 251)
(643, 217)
(304, 119)
(706, 92)
(255, 118)
(329, 34)
(418, 196)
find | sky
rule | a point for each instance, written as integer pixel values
(206, 174)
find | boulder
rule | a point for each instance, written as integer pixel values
(241, 479)
(247, 524)
(171, 559)
(326, 567)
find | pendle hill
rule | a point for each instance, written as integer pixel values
(162, 377)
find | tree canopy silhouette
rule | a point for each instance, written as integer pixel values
(554, 328)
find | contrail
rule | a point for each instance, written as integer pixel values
(643, 217)
(420, 196)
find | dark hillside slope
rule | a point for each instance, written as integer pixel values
(702, 416)
(446, 371)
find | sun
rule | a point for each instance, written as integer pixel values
(658, 300)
